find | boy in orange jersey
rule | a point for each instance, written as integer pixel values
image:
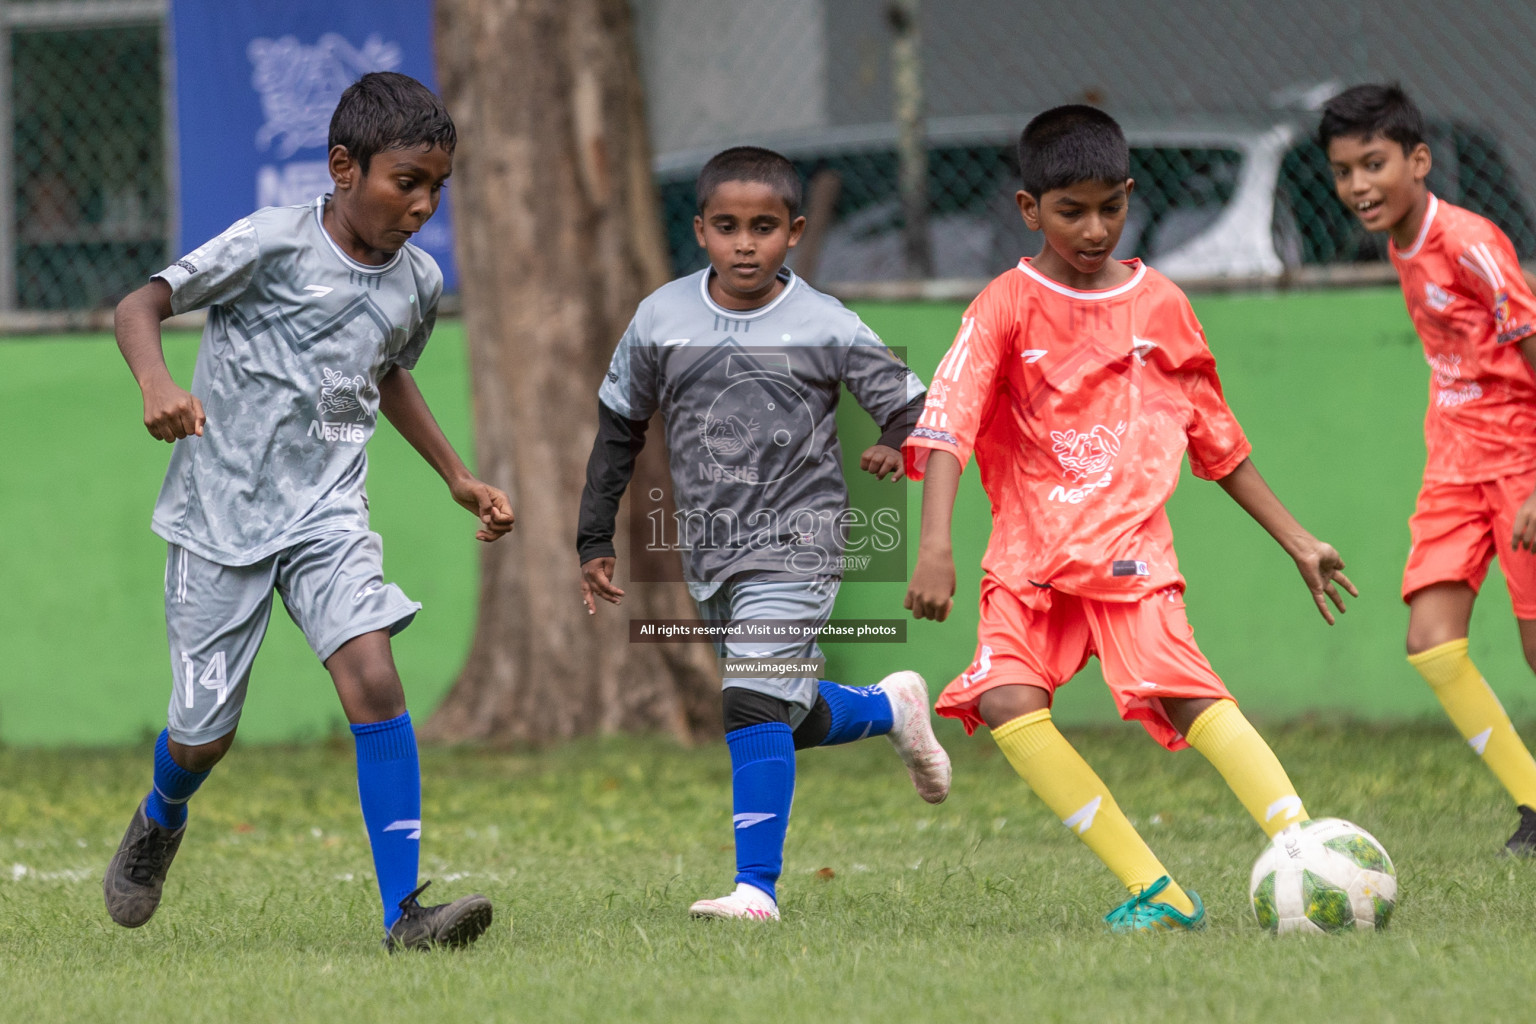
(1079, 382)
(1474, 311)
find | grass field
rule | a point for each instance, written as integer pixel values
(980, 909)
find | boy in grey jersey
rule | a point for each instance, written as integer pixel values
(316, 315)
(745, 361)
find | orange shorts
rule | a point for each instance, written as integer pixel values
(1458, 528)
(1147, 650)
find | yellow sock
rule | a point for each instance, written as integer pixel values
(1075, 794)
(1478, 716)
(1251, 769)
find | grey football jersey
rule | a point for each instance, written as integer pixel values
(749, 402)
(297, 339)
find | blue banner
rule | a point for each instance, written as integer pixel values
(256, 84)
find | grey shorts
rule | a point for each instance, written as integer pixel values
(216, 616)
(746, 598)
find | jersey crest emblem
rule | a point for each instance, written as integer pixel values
(341, 395)
(729, 436)
(1085, 454)
(1501, 308)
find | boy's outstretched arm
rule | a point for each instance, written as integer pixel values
(169, 411)
(1319, 563)
(609, 469)
(403, 404)
(931, 594)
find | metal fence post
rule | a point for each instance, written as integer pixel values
(7, 168)
(911, 147)
(171, 140)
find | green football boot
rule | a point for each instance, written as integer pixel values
(1141, 913)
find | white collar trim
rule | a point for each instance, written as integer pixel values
(352, 264)
(1418, 243)
(746, 314)
(1075, 293)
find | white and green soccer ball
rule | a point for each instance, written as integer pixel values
(1325, 875)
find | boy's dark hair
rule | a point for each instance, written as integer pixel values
(1071, 144)
(751, 163)
(387, 110)
(1368, 110)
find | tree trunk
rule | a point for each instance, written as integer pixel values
(558, 237)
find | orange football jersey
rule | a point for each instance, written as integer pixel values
(1469, 303)
(1079, 407)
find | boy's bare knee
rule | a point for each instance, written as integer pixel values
(363, 670)
(1003, 704)
(372, 695)
(1438, 614)
(200, 757)
(1427, 636)
(377, 704)
(1182, 711)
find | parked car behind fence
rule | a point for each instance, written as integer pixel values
(1249, 200)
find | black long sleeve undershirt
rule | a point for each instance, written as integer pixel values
(894, 433)
(611, 465)
(618, 443)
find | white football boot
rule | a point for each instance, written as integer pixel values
(747, 903)
(912, 735)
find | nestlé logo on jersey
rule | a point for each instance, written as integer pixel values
(341, 396)
(1451, 389)
(1083, 457)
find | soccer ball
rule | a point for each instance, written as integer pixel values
(1325, 875)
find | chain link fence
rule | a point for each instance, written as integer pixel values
(89, 214)
(1218, 101)
(1245, 202)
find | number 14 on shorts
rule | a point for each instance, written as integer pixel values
(214, 677)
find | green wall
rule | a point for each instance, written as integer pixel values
(83, 655)
(1330, 386)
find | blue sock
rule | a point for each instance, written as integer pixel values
(762, 787)
(389, 788)
(173, 787)
(857, 712)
